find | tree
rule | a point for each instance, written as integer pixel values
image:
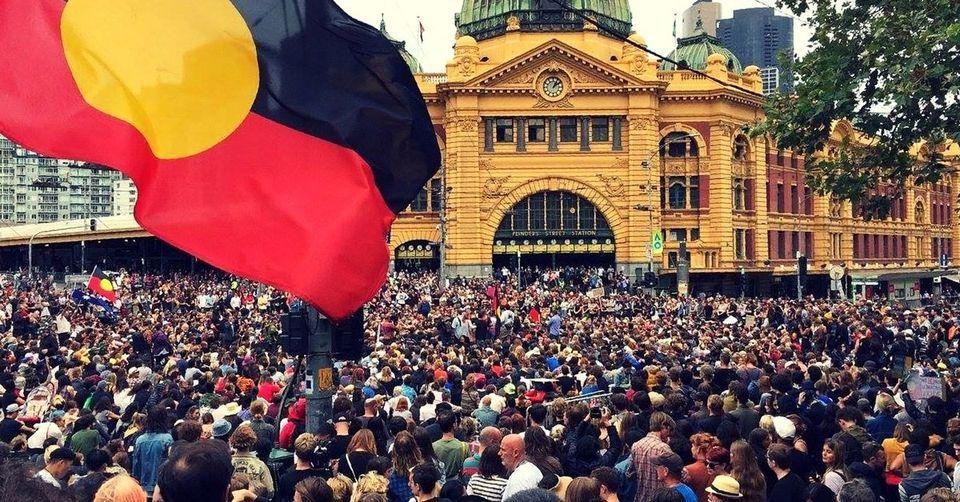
(892, 69)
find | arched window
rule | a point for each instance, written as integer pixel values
(741, 148)
(679, 145)
(919, 215)
(836, 207)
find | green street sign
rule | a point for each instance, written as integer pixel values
(656, 243)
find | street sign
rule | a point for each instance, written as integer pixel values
(656, 243)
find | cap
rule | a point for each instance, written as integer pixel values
(784, 427)
(57, 414)
(671, 461)
(725, 487)
(13, 408)
(341, 418)
(913, 454)
(63, 454)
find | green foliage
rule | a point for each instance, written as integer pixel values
(889, 67)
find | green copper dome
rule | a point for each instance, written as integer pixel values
(695, 49)
(402, 48)
(483, 19)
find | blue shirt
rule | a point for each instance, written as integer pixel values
(686, 492)
(554, 325)
(552, 363)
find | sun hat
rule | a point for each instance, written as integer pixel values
(221, 428)
(725, 487)
(230, 409)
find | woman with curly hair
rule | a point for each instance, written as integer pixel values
(698, 475)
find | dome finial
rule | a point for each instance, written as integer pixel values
(383, 23)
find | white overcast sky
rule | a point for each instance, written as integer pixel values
(653, 19)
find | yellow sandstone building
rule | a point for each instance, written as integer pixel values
(564, 145)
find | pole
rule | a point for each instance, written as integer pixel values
(443, 229)
(319, 378)
(83, 256)
(799, 286)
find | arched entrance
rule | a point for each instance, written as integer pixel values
(417, 255)
(553, 229)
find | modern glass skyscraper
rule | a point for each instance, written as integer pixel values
(758, 37)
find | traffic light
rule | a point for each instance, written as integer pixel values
(802, 268)
(93, 224)
(650, 280)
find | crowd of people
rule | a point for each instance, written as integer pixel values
(534, 385)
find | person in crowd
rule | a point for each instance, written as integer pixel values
(921, 478)
(425, 483)
(303, 458)
(669, 468)
(789, 487)
(245, 461)
(745, 469)
(836, 473)
(97, 463)
(490, 481)
(489, 436)
(724, 488)
(57, 468)
(523, 474)
(450, 450)
(312, 490)
(120, 488)
(151, 448)
(361, 450)
(197, 471)
(646, 450)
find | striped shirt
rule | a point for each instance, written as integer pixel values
(487, 488)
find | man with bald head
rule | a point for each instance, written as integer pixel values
(523, 474)
(489, 436)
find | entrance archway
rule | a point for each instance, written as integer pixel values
(553, 228)
(417, 255)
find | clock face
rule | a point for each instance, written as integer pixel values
(552, 87)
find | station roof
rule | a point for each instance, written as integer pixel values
(108, 227)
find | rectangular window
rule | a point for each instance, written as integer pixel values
(781, 245)
(807, 201)
(536, 130)
(553, 210)
(504, 130)
(677, 234)
(587, 217)
(569, 210)
(568, 130)
(419, 204)
(739, 195)
(537, 219)
(694, 192)
(678, 192)
(694, 234)
(780, 207)
(672, 259)
(739, 245)
(794, 200)
(436, 195)
(601, 128)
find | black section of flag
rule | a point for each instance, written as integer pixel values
(326, 74)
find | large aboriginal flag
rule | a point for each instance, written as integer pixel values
(275, 139)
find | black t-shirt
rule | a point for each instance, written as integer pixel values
(9, 428)
(359, 460)
(338, 446)
(567, 383)
(289, 481)
(788, 489)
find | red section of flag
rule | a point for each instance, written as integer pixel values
(249, 205)
(102, 285)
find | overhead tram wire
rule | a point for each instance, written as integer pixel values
(577, 12)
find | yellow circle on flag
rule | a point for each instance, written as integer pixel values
(182, 72)
(106, 285)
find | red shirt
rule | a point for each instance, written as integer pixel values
(267, 390)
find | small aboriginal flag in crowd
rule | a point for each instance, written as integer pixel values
(101, 284)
